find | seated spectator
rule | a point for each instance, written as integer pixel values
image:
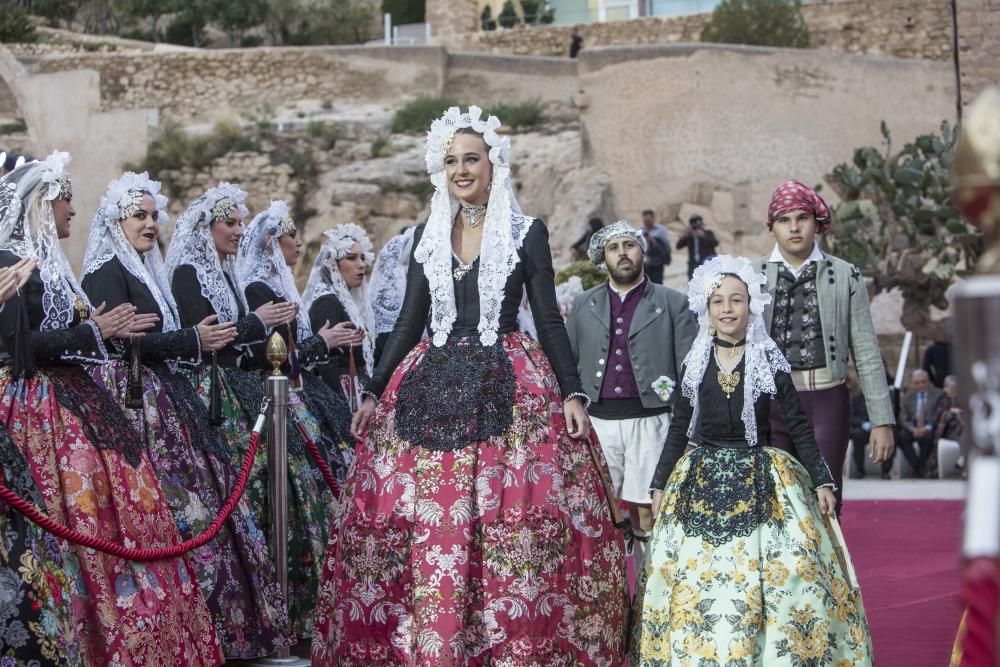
(950, 422)
(917, 427)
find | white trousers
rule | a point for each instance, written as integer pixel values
(632, 449)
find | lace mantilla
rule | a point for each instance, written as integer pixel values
(325, 278)
(28, 229)
(503, 232)
(107, 240)
(388, 284)
(260, 260)
(192, 244)
(762, 358)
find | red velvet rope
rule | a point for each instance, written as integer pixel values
(147, 554)
(321, 463)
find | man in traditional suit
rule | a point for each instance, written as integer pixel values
(820, 318)
(919, 417)
(629, 336)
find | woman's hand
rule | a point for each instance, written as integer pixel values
(14, 277)
(275, 314)
(341, 335)
(214, 336)
(577, 421)
(109, 324)
(139, 325)
(361, 419)
(657, 501)
(827, 501)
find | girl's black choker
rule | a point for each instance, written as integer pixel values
(724, 343)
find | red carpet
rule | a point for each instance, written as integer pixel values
(906, 556)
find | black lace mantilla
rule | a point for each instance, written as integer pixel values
(17, 476)
(457, 394)
(249, 389)
(727, 493)
(188, 404)
(104, 423)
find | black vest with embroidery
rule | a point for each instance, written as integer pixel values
(796, 326)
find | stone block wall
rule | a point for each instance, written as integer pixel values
(901, 28)
(978, 46)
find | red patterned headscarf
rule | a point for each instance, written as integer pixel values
(795, 196)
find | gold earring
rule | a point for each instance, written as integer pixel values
(711, 331)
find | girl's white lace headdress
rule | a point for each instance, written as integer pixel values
(325, 278)
(503, 232)
(388, 284)
(762, 358)
(260, 259)
(107, 240)
(192, 244)
(28, 229)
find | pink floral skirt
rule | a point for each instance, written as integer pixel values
(502, 552)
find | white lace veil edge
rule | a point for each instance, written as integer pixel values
(28, 229)
(504, 228)
(762, 358)
(388, 282)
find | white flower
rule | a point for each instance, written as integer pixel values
(664, 387)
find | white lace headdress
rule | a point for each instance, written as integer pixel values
(192, 244)
(28, 229)
(388, 284)
(107, 239)
(325, 278)
(503, 231)
(260, 259)
(762, 358)
(616, 230)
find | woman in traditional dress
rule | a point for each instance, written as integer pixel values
(741, 567)
(269, 251)
(388, 285)
(122, 264)
(201, 262)
(86, 460)
(475, 527)
(337, 293)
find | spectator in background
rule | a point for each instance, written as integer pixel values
(657, 247)
(917, 427)
(575, 43)
(951, 420)
(937, 362)
(579, 247)
(700, 242)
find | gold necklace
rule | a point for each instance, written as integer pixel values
(727, 381)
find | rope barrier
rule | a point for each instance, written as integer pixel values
(321, 463)
(154, 553)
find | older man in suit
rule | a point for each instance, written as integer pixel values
(629, 336)
(917, 422)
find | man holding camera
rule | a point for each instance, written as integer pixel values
(700, 242)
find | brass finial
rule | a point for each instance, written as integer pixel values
(276, 352)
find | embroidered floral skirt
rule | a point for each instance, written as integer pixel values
(122, 612)
(741, 570)
(310, 502)
(501, 552)
(36, 626)
(234, 571)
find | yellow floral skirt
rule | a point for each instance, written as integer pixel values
(741, 571)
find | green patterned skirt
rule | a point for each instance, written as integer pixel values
(741, 571)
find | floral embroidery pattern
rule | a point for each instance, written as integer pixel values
(502, 550)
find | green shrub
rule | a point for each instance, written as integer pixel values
(15, 26)
(326, 133)
(416, 117)
(590, 275)
(519, 115)
(486, 19)
(508, 17)
(759, 23)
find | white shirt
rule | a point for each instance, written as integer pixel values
(815, 256)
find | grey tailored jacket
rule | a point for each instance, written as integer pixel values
(848, 332)
(660, 336)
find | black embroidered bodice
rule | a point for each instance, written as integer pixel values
(720, 424)
(194, 307)
(113, 285)
(328, 308)
(533, 272)
(311, 351)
